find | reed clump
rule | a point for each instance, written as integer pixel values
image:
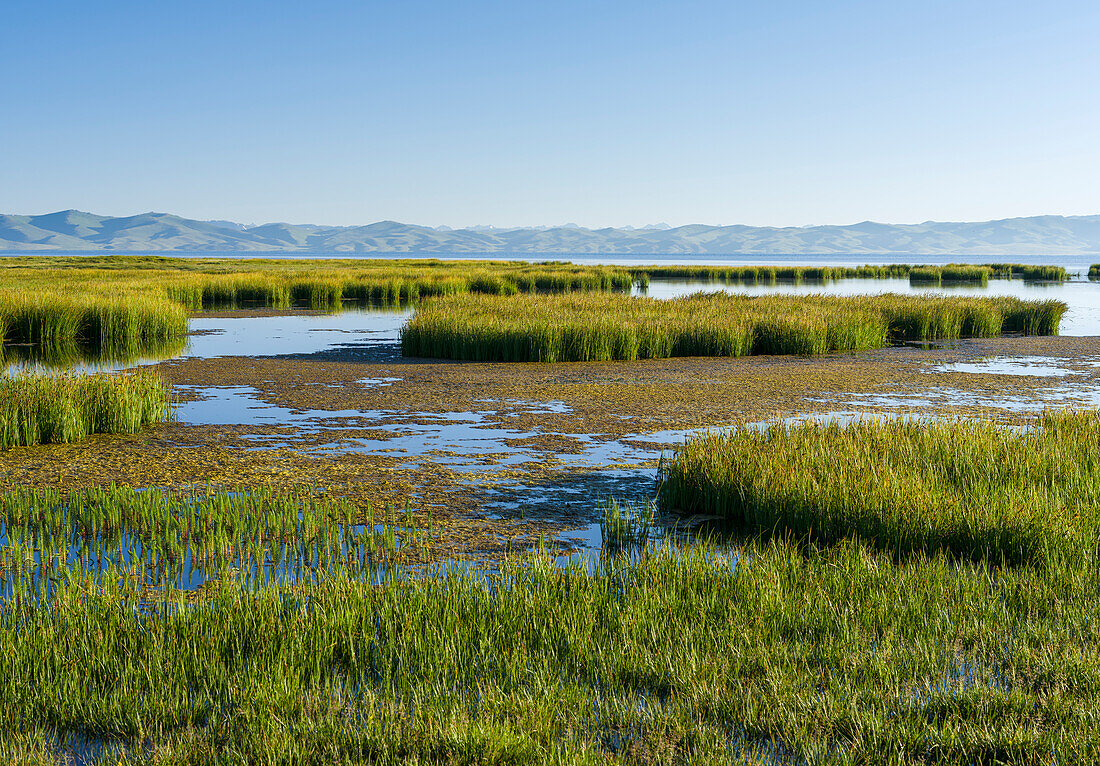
(1028, 272)
(93, 326)
(922, 274)
(610, 327)
(41, 409)
(952, 274)
(975, 489)
(53, 318)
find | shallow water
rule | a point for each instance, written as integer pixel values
(1027, 366)
(482, 441)
(377, 331)
(151, 566)
(464, 440)
(284, 335)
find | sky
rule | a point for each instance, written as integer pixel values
(513, 113)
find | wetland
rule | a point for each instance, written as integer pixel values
(316, 543)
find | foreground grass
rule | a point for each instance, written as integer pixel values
(38, 409)
(971, 488)
(839, 655)
(606, 327)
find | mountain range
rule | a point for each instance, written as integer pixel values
(73, 230)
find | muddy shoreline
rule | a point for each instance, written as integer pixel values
(506, 455)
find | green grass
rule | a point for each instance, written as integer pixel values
(974, 489)
(606, 327)
(96, 326)
(935, 275)
(39, 409)
(768, 275)
(625, 526)
(329, 286)
(124, 306)
(704, 655)
(952, 273)
(1027, 272)
(858, 651)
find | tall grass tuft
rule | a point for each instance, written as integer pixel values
(951, 274)
(97, 325)
(39, 409)
(1028, 272)
(625, 525)
(974, 488)
(608, 327)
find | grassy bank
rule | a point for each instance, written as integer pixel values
(766, 652)
(197, 283)
(918, 274)
(96, 325)
(973, 488)
(605, 327)
(38, 409)
(122, 305)
(330, 285)
(935, 275)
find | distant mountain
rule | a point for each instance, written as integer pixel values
(74, 230)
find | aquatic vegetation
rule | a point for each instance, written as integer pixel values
(767, 275)
(606, 327)
(966, 274)
(702, 655)
(625, 525)
(38, 409)
(187, 540)
(798, 274)
(1029, 272)
(970, 487)
(332, 284)
(98, 325)
(125, 305)
(935, 275)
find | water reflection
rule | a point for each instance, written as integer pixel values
(73, 356)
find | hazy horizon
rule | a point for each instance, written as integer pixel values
(564, 224)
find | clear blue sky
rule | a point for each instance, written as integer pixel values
(517, 113)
